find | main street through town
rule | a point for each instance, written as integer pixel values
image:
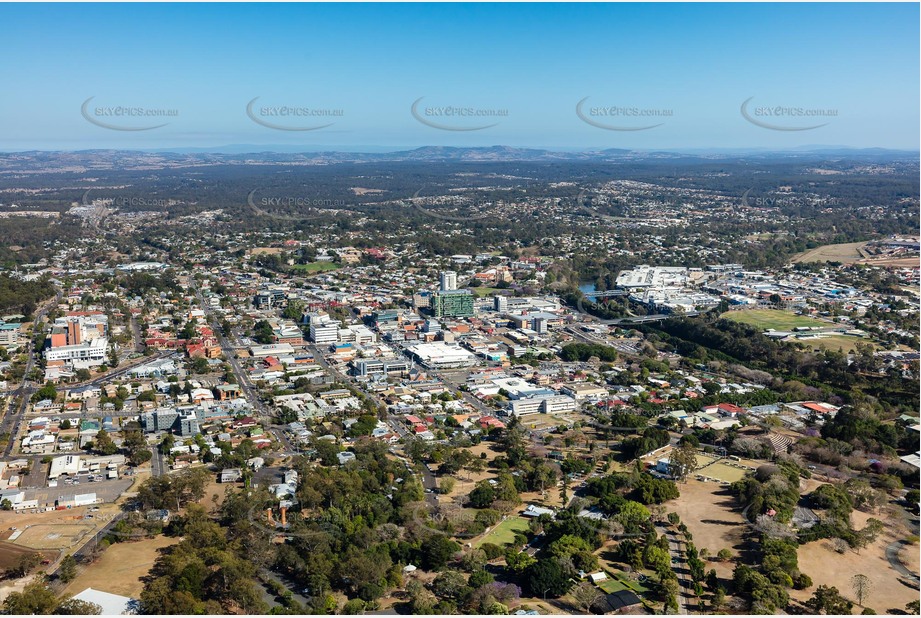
(19, 398)
(246, 387)
(230, 353)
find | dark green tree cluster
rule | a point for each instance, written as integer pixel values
(635, 485)
(358, 525)
(18, 296)
(37, 598)
(864, 429)
(207, 572)
(710, 338)
(262, 332)
(175, 491)
(584, 351)
(770, 487)
(651, 439)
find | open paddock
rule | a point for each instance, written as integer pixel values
(775, 319)
(846, 343)
(122, 567)
(901, 262)
(11, 554)
(714, 519)
(846, 253)
(316, 267)
(888, 590)
(537, 422)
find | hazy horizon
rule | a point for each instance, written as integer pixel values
(231, 149)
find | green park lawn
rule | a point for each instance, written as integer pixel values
(845, 343)
(618, 581)
(482, 291)
(773, 319)
(504, 532)
(316, 267)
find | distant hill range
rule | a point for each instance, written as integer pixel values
(242, 154)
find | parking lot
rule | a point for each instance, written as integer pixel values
(106, 491)
(268, 476)
(38, 475)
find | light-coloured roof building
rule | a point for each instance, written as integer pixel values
(67, 464)
(273, 349)
(441, 355)
(111, 604)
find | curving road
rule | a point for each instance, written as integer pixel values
(894, 549)
(892, 555)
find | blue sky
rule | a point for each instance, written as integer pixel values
(693, 65)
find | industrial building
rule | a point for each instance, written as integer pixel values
(439, 355)
(374, 367)
(652, 277)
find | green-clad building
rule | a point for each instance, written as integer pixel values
(452, 304)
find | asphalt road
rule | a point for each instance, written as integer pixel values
(14, 414)
(893, 549)
(85, 552)
(157, 465)
(230, 353)
(122, 370)
(279, 432)
(136, 334)
(451, 380)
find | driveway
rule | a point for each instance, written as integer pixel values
(676, 553)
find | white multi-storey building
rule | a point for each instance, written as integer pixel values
(324, 332)
(448, 281)
(92, 352)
